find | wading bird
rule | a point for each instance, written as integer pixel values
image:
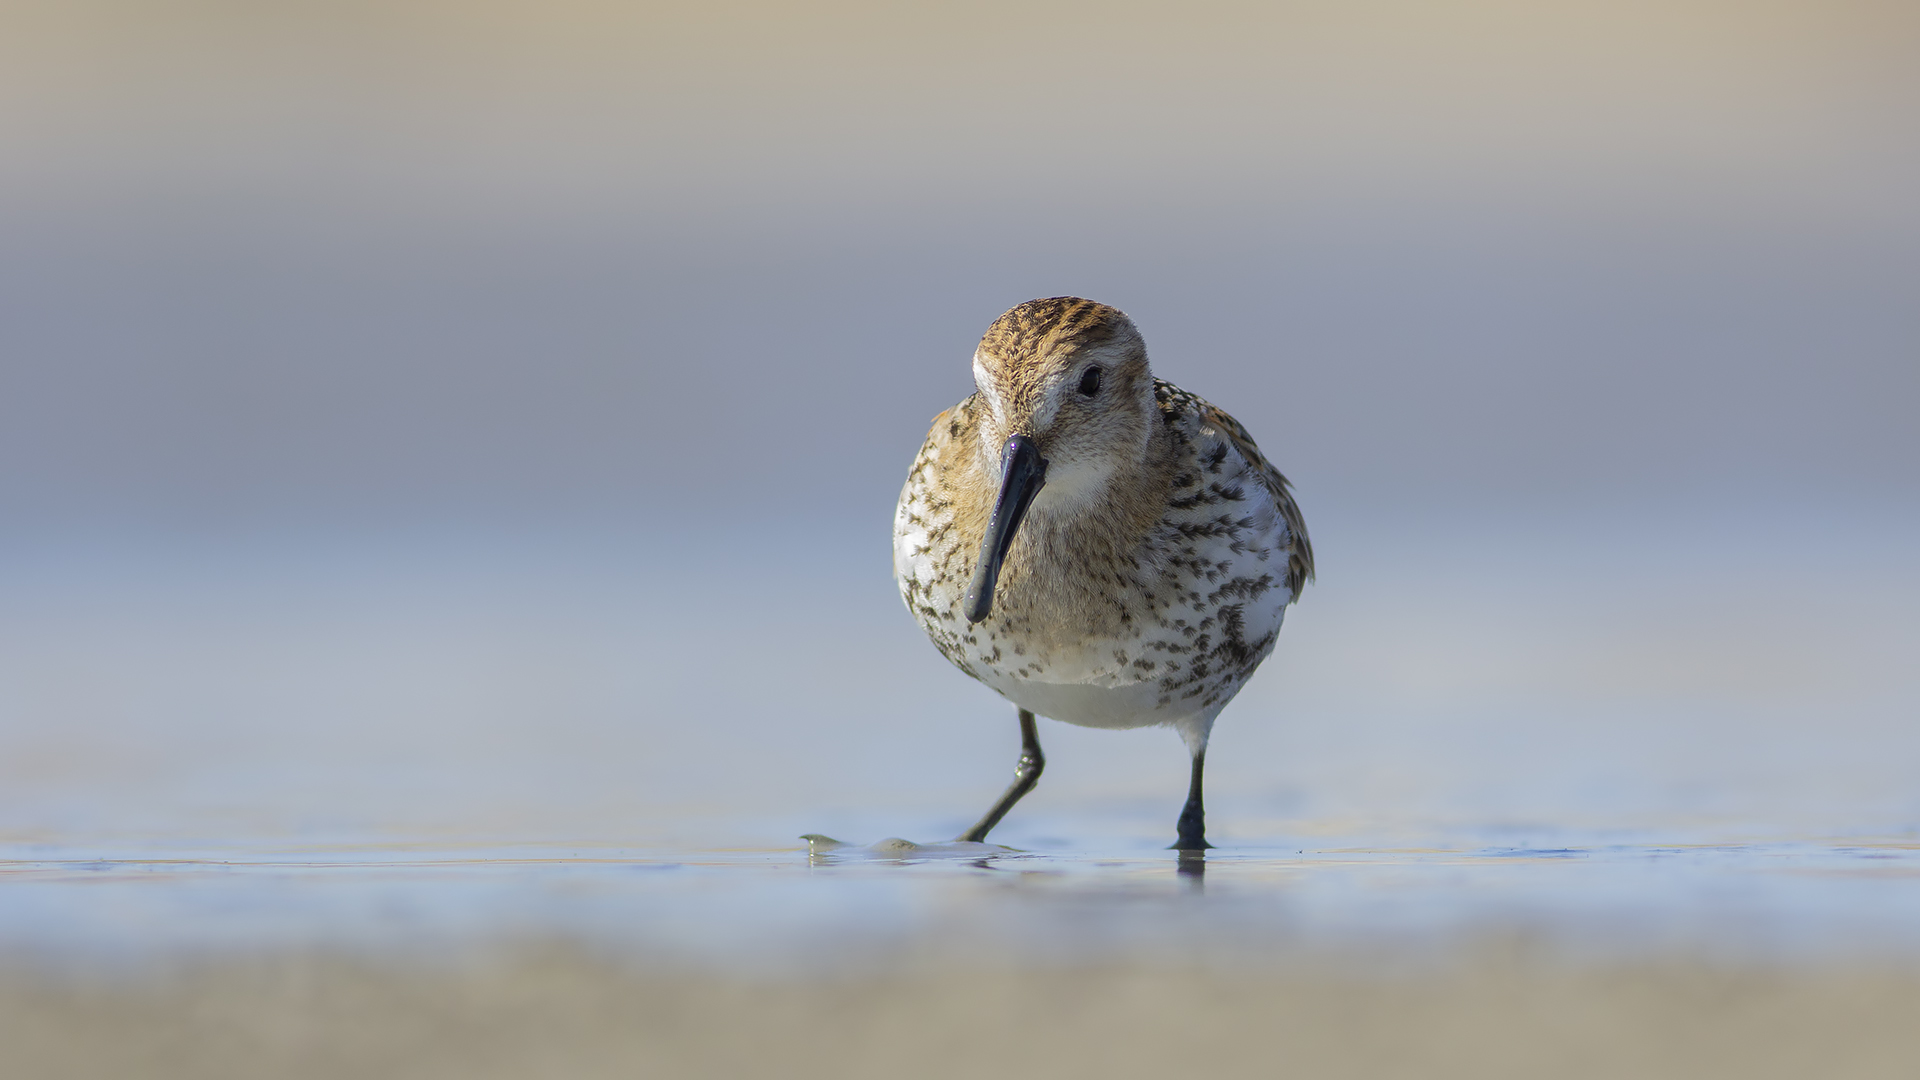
(1095, 544)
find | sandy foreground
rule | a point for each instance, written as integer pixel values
(557, 1012)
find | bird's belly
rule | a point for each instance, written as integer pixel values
(1129, 705)
(1164, 675)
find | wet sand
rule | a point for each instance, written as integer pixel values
(1498, 1010)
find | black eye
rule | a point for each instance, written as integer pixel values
(1090, 382)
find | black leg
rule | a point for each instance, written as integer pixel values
(1193, 817)
(1025, 775)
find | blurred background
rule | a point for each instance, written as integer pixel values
(483, 420)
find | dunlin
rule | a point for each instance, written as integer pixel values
(1095, 544)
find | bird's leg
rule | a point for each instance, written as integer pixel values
(1025, 775)
(1193, 817)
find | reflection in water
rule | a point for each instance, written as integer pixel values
(1192, 867)
(747, 907)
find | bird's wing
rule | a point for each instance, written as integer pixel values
(1300, 552)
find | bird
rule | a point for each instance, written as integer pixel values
(1095, 544)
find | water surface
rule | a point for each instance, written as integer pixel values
(430, 742)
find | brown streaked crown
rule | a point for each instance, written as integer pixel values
(1058, 324)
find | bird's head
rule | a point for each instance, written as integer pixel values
(1068, 405)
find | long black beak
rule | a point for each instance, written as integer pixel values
(1022, 472)
(1022, 475)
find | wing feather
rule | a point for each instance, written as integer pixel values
(1300, 550)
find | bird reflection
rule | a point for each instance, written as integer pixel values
(1192, 868)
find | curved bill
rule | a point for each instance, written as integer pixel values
(1022, 472)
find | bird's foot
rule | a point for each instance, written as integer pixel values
(894, 848)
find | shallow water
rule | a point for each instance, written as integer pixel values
(782, 910)
(413, 745)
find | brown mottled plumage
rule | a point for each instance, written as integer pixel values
(1151, 574)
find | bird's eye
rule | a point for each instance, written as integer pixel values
(1090, 382)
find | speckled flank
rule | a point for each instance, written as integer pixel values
(1153, 572)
